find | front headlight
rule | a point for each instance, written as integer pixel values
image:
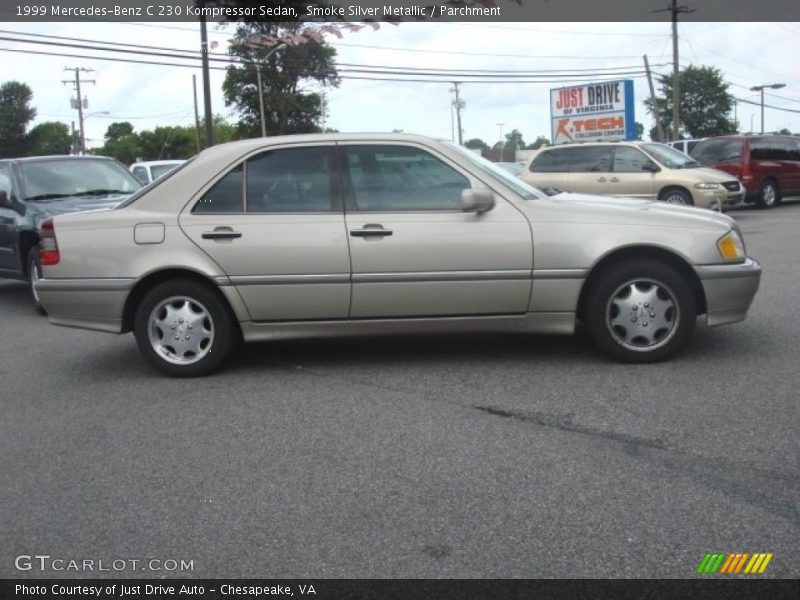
(707, 186)
(731, 246)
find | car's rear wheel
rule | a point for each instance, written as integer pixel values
(641, 310)
(184, 329)
(769, 194)
(34, 274)
(677, 196)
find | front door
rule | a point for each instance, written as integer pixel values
(275, 225)
(629, 176)
(415, 253)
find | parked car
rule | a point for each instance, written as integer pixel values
(339, 234)
(34, 188)
(148, 171)
(767, 165)
(685, 146)
(646, 170)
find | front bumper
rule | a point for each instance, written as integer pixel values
(729, 290)
(719, 199)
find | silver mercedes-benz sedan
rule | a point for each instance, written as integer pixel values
(374, 233)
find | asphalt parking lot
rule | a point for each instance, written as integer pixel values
(443, 456)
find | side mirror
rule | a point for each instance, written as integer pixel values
(652, 167)
(5, 201)
(478, 201)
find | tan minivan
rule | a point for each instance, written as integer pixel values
(644, 170)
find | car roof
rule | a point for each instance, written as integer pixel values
(24, 159)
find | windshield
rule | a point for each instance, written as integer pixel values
(669, 157)
(528, 192)
(63, 177)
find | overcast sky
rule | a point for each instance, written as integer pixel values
(748, 54)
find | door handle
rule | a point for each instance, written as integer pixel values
(371, 230)
(221, 233)
(602, 180)
(614, 180)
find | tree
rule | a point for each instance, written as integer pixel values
(784, 131)
(476, 144)
(118, 129)
(639, 130)
(15, 114)
(514, 140)
(704, 102)
(538, 143)
(289, 106)
(49, 137)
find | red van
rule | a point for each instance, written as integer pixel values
(767, 165)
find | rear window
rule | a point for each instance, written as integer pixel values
(711, 152)
(775, 148)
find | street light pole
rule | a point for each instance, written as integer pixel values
(761, 88)
(261, 91)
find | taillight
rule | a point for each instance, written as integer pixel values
(48, 247)
(747, 173)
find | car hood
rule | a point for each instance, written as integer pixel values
(43, 209)
(708, 174)
(610, 209)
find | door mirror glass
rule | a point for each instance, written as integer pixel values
(649, 166)
(5, 201)
(478, 201)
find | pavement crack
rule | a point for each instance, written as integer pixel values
(565, 422)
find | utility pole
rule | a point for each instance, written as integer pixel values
(675, 10)
(80, 103)
(458, 105)
(760, 88)
(206, 81)
(657, 113)
(196, 115)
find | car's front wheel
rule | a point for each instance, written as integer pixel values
(184, 329)
(641, 310)
(34, 274)
(677, 196)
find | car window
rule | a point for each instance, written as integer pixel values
(161, 170)
(290, 180)
(691, 146)
(590, 159)
(772, 148)
(552, 161)
(225, 196)
(398, 178)
(711, 152)
(628, 160)
(141, 174)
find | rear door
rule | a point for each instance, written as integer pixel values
(9, 224)
(414, 252)
(589, 169)
(549, 169)
(275, 225)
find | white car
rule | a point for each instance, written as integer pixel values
(148, 171)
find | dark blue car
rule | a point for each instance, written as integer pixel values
(34, 188)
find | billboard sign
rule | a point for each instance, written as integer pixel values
(592, 112)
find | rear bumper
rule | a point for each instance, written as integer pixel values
(86, 303)
(729, 290)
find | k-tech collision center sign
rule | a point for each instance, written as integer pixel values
(595, 111)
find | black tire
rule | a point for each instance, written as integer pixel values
(769, 196)
(34, 273)
(677, 196)
(193, 302)
(618, 321)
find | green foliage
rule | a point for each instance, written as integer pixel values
(118, 130)
(514, 140)
(15, 114)
(476, 144)
(704, 102)
(538, 143)
(49, 137)
(289, 107)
